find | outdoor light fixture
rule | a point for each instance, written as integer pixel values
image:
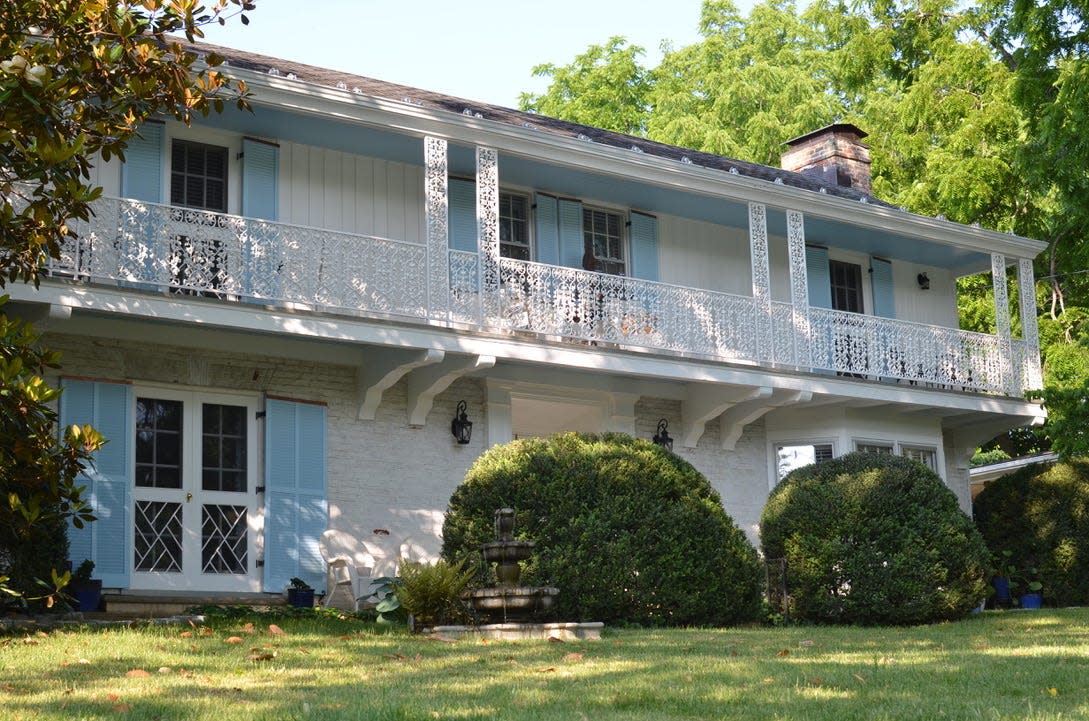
(662, 438)
(461, 426)
(924, 281)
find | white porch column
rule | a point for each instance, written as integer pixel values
(799, 286)
(761, 278)
(487, 219)
(438, 223)
(1002, 323)
(1030, 333)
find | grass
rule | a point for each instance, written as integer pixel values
(993, 666)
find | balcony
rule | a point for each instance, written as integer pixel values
(196, 253)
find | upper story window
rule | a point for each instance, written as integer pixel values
(846, 281)
(878, 448)
(603, 239)
(198, 175)
(514, 226)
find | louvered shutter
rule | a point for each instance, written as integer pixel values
(644, 246)
(142, 171)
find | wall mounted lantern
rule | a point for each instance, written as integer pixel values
(662, 438)
(924, 281)
(461, 426)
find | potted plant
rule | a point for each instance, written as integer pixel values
(86, 591)
(1016, 585)
(300, 594)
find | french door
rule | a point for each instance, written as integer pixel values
(195, 513)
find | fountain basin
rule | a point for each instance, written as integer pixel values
(507, 551)
(513, 601)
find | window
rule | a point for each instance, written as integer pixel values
(846, 279)
(158, 443)
(514, 226)
(198, 176)
(789, 456)
(879, 448)
(603, 240)
(927, 456)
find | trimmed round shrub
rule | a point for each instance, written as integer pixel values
(628, 532)
(873, 540)
(1040, 514)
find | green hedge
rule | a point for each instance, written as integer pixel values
(1040, 513)
(874, 539)
(28, 559)
(628, 532)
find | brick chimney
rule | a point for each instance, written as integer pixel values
(834, 153)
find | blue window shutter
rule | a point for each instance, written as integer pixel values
(884, 304)
(820, 282)
(260, 180)
(107, 406)
(296, 507)
(644, 246)
(142, 172)
(547, 229)
(462, 195)
(572, 243)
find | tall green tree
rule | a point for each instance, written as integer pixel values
(77, 79)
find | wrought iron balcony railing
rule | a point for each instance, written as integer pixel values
(185, 251)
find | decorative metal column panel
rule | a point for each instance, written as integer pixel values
(761, 278)
(1030, 333)
(799, 285)
(487, 218)
(438, 222)
(1002, 322)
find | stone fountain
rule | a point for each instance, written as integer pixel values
(508, 607)
(508, 601)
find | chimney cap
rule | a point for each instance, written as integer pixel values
(848, 128)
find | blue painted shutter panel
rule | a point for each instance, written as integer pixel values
(260, 180)
(142, 172)
(107, 406)
(572, 243)
(296, 506)
(547, 229)
(644, 246)
(462, 195)
(884, 304)
(820, 283)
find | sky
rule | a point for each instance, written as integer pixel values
(481, 50)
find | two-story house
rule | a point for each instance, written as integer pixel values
(275, 316)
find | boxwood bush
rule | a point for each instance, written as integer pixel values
(874, 539)
(1040, 514)
(628, 532)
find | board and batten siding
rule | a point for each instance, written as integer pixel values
(697, 254)
(323, 188)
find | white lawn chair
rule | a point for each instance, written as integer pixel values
(349, 568)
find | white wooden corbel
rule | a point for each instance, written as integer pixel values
(704, 403)
(731, 424)
(386, 366)
(426, 383)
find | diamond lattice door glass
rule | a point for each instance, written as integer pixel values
(194, 507)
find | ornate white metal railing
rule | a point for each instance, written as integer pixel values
(158, 247)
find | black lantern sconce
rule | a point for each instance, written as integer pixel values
(461, 426)
(662, 438)
(923, 280)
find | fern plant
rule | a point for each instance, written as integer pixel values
(431, 592)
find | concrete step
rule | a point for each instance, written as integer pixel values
(148, 604)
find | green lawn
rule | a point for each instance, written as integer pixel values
(1003, 665)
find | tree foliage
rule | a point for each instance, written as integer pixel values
(77, 79)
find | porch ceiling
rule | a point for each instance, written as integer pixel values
(520, 172)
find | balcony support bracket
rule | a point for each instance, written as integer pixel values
(384, 367)
(731, 424)
(705, 403)
(426, 383)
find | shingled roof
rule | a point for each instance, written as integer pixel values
(499, 114)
